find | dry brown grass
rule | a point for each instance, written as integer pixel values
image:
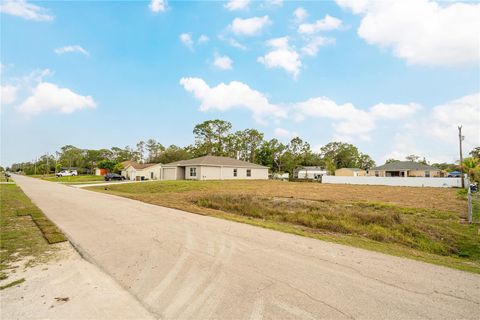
(170, 193)
(421, 223)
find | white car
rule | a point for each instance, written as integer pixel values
(67, 173)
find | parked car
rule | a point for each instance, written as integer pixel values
(67, 173)
(113, 176)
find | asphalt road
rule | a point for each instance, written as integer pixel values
(181, 265)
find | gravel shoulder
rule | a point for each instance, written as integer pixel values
(67, 287)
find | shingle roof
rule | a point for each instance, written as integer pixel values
(215, 161)
(403, 165)
(140, 166)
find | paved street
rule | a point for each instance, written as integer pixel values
(182, 265)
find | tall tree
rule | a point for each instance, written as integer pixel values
(154, 150)
(211, 137)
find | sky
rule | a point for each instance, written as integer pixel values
(392, 77)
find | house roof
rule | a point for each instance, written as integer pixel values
(403, 165)
(215, 161)
(140, 166)
(352, 169)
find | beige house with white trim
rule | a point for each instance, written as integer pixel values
(350, 172)
(405, 169)
(213, 168)
(142, 171)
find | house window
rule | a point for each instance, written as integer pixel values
(193, 172)
(151, 175)
(427, 174)
(249, 172)
(377, 174)
(235, 172)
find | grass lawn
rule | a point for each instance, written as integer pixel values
(71, 180)
(427, 224)
(25, 231)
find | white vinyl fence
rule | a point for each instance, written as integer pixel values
(396, 181)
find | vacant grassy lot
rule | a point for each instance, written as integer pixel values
(422, 223)
(25, 231)
(71, 180)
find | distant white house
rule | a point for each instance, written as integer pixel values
(309, 172)
(142, 171)
(203, 168)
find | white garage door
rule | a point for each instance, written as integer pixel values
(169, 173)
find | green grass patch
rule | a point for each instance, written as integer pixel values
(421, 229)
(25, 231)
(12, 284)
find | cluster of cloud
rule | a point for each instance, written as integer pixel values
(222, 62)
(48, 96)
(39, 96)
(422, 32)
(157, 6)
(326, 24)
(283, 56)
(235, 94)
(187, 40)
(234, 5)
(249, 26)
(72, 48)
(25, 10)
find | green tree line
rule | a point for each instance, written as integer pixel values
(212, 137)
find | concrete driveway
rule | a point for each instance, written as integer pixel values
(182, 265)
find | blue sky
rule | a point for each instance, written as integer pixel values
(392, 77)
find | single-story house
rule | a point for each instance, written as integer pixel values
(350, 172)
(142, 171)
(213, 168)
(405, 169)
(309, 172)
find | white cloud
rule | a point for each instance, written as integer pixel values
(158, 6)
(421, 31)
(313, 45)
(25, 10)
(464, 111)
(274, 3)
(300, 14)
(351, 121)
(250, 26)
(48, 96)
(73, 48)
(203, 39)
(234, 5)
(283, 134)
(186, 39)
(282, 56)
(8, 94)
(394, 111)
(222, 62)
(327, 23)
(235, 94)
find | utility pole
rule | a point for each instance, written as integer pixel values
(460, 139)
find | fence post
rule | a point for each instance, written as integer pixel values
(470, 208)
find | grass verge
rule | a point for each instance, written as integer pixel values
(73, 179)
(425, 226)
(25, 231)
